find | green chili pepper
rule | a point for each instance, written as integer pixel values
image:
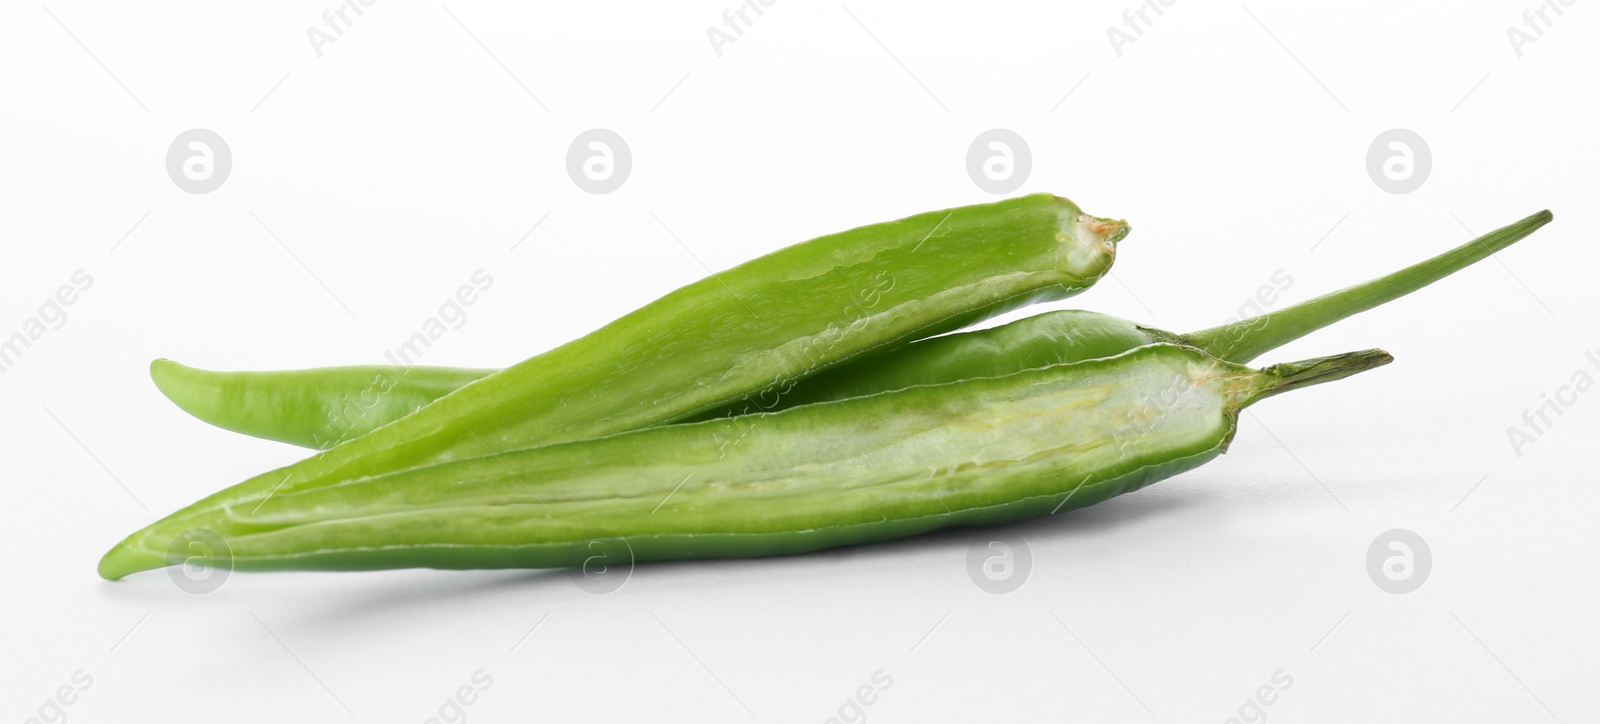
(319, 407)
(1072, 335)
(780, 317)
(976, 451)
(346, 402)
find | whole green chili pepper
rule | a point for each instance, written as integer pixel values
(1072, 335)
(975, 451)
(783, 316)
(345, 402)
(319, 407)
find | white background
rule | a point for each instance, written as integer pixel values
(419, 148)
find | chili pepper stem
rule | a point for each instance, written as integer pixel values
(1247, 339)
(1294, 375)
(1279, 378)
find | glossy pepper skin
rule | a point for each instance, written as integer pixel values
(783, 316)
(977, 451)
(314, 407)
(1067, 336)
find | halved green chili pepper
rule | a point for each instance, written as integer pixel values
(319, 407)
(783, 316)
(976, 451)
